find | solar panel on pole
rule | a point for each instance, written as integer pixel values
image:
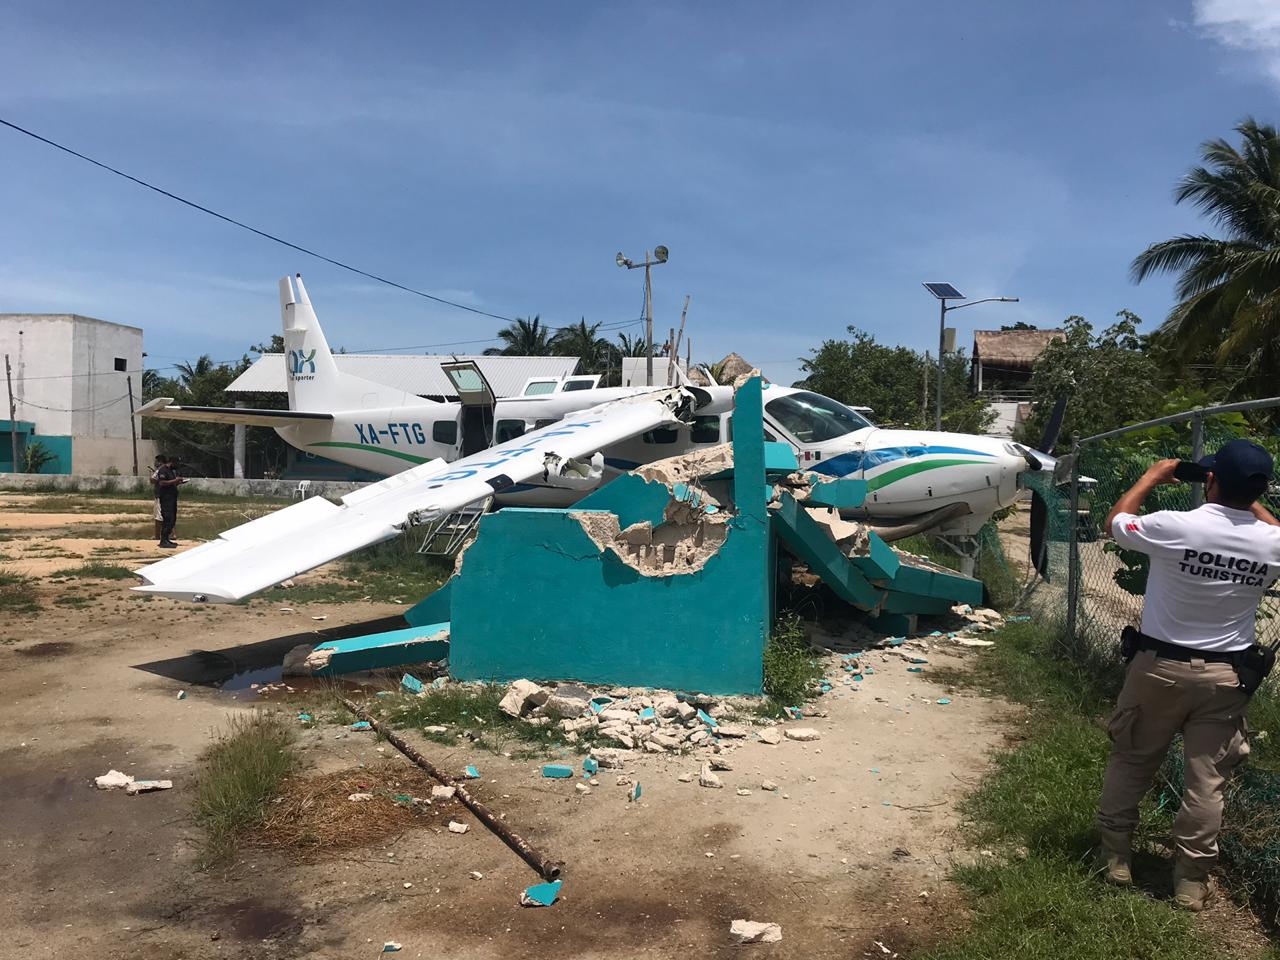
(944, 291)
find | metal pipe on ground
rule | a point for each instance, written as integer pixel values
(543, 865)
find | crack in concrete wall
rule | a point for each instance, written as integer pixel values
(670, 549)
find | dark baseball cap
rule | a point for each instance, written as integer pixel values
(1238, 462)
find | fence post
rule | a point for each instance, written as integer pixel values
(1197, 452)
(1073, 553)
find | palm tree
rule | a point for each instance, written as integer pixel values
(630, 346)
(581, 341)
(1228, 289)
(523, 338)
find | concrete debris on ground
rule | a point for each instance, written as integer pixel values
(708, 779)
(115, 780)
(456, 827)
(803, 734)
(749, 931)
(443, 793)
(541, 894)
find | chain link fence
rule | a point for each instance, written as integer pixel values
(1095, 587)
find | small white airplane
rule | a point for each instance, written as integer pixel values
(549, 450)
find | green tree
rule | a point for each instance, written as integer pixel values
(1228, 288)
(1107, 378)
(582, 340)
(523, 338)
(892, 381)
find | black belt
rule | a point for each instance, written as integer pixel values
(1174, 651)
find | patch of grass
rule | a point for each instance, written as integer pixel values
(241, 772)
(1049, 908)
(1042, 796)
(382, 573)
(97, 570)
(16, 594)
(790, 668)
(73, 600)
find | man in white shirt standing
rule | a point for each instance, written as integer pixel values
(1209, 569)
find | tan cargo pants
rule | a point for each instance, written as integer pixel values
(1160, 699)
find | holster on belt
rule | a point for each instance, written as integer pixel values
(1130, 643)
(1252, 664)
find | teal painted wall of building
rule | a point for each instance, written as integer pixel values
(537, 598)
(59, 446)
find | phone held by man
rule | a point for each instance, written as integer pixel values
(1194, 663)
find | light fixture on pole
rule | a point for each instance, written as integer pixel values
(945, 292)
(659, 256)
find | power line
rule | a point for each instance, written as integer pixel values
(244, 226)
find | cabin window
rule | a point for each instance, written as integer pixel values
(446, 432)
(506, 430)
(572, 385)
(539, 389)
(813, 418)
(705, 430)
(661, 435)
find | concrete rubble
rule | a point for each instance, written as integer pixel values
(749, 931)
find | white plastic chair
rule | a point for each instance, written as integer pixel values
(304, 487)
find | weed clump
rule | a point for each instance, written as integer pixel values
(242, 771)
(97, 570)
(790, 670)
(16, 595)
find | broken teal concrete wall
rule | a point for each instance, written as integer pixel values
(537, 598)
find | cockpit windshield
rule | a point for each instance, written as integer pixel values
(813, 418)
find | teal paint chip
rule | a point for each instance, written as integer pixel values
(305, 718)
(471, 773)
(362, 725)
(943, 700)
(915, 669)
(793, 713)
(541, 894)
(557, 771)
(634, 795)
(709, 721)
(648, 713)
(412, 684)
(590, 767)
(599, 703)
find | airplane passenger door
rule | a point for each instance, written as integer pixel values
(477, 400)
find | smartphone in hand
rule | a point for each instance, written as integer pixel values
(1189, 472)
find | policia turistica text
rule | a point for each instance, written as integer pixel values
(1194, 664)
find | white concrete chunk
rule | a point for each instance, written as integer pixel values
(748, 931)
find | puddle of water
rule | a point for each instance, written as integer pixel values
(254, 920)
(242, 680)
(263, 676)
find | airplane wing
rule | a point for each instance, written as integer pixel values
(163, 408)
(266, 551)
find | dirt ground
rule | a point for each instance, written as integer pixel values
(852, 851)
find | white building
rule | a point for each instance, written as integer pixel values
(71, 378)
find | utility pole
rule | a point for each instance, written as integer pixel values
(13, 413)
(675, 347)
(648, 324)
(133, 423)
(944, 292)
(659, 256)
(942, 346)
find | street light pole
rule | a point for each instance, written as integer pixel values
(942, 342)
(659, 256)
(945, 292)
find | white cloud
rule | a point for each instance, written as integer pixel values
(1251, 25)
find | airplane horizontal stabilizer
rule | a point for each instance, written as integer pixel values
(266, 551)
(163, 408)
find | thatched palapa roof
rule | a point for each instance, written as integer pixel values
(1011, 349)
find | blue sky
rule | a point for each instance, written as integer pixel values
(808, 165)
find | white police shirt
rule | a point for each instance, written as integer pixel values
(1209, 568)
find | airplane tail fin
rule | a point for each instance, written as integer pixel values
(314, 381)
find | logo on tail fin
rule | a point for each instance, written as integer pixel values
(299, 361)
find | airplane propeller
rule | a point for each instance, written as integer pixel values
(1039, 507)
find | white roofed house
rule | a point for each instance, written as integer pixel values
(417, 374)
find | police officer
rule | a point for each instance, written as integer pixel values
(167, 483)
(1209, 569)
